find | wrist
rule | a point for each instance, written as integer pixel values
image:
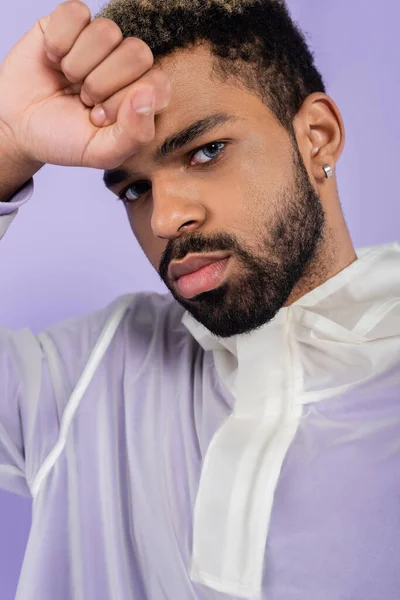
(15, 169)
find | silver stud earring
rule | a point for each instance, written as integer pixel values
(328, 171)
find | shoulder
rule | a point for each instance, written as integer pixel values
(153, 325)
(148, 322)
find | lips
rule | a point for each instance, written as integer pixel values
(198, 274)
(192, 264)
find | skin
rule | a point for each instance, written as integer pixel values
(265, 199)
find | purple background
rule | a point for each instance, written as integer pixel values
(71, 251)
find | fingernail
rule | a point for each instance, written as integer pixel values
(143, 101)
(98, 115)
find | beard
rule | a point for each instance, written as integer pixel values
(265, 281)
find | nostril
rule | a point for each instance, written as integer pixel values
(188, 224)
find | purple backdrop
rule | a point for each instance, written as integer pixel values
(71, 251)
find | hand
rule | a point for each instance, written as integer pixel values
(48, 104)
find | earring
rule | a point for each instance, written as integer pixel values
(328, 171)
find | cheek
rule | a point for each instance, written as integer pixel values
(267, 173)
(263, 183)
(140, 230)
(152, 246)
(255, 194)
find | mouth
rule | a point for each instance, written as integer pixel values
(203, 279)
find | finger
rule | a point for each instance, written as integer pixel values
(65, 25)
(124, 65)
(154, 78)
(112, 145)
(94, 44)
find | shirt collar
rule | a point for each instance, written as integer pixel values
(341, 296)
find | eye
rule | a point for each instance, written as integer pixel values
(137, 189)
(215, 149)
(134, 191)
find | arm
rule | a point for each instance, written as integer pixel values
(9, 209)
(30, 404)
(24, 375)
(16, 184)
(15, 170)
(38, 374)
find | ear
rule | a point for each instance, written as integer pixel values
(320, 135)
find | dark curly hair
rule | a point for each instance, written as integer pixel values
(254, 41)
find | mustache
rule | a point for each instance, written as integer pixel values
(195, 243)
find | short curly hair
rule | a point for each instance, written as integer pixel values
(254, 41)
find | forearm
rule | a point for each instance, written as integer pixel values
(15, 170)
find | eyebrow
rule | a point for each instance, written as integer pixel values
(173, 144)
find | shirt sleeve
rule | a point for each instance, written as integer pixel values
(8, 210)
(37, 376)
(28, 411)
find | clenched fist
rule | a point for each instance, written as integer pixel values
(75, 93)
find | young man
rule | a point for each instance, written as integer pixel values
(238, 437)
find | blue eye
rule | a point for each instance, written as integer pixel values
(124, 195)
(137, 189)
(214, 146)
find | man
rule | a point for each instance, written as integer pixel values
(238, 437)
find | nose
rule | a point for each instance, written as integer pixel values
(176, 209)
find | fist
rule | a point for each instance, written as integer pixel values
(75, 93)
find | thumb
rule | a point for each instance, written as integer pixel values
(114, 144)
(43, 22)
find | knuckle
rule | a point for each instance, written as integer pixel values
(72, 10)
(68, 70)
(77, 9)
(141, 50)
(92, 90)
(108, 30)
(55, 48)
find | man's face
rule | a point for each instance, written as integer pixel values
(245, 192)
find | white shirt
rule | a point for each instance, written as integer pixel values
(166, 464)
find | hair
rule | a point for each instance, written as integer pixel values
(255, 42)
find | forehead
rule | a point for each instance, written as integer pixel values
(196, 89)
(189, 66)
